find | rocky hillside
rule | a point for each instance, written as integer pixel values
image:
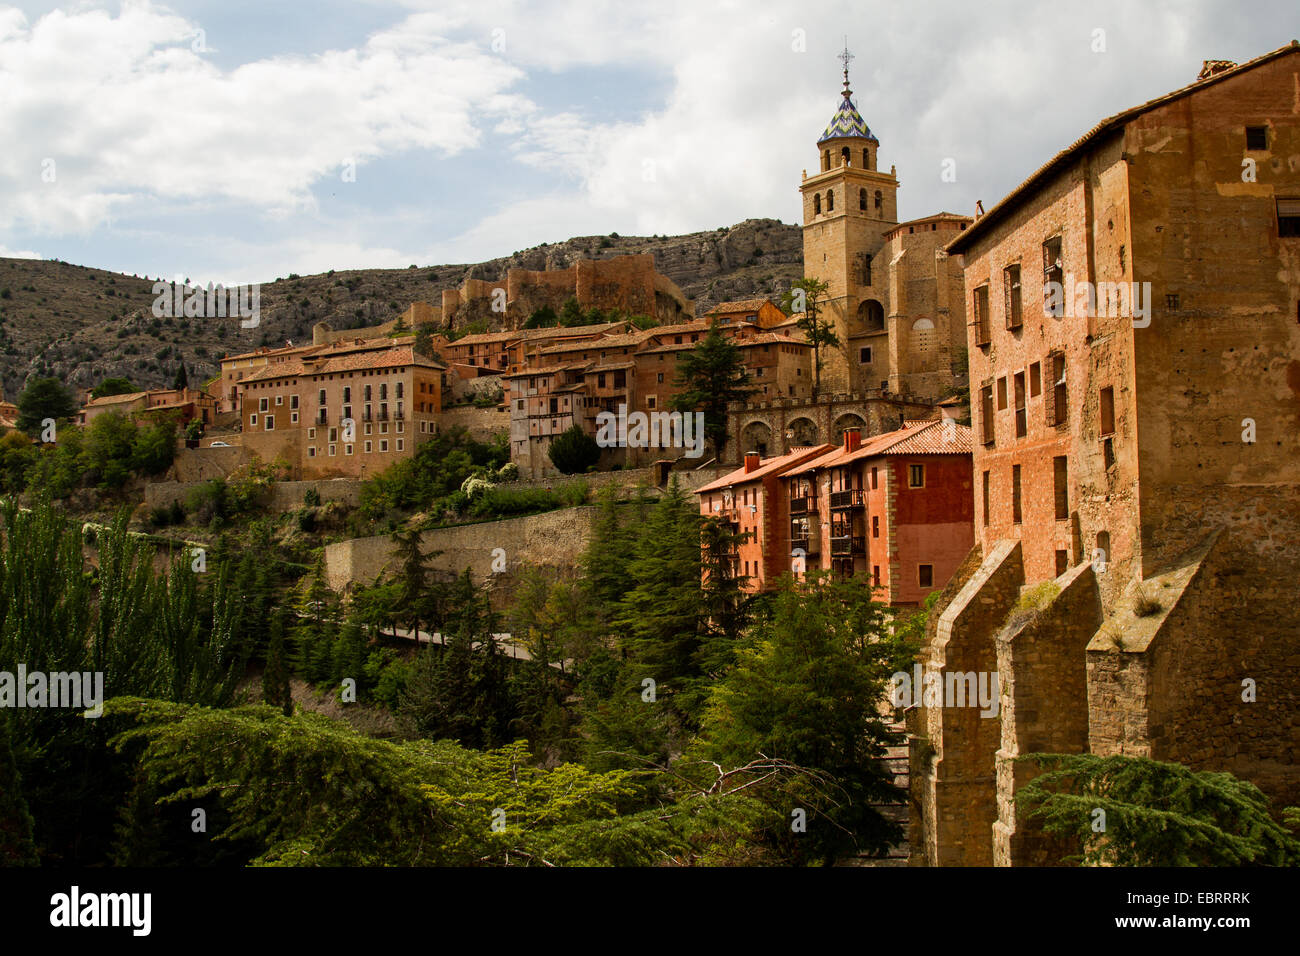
(84, 325)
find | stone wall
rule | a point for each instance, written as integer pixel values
(957, 801)
(483, 423)
(553, 539)
(285, 495)
(1042, 675)
(201, 464)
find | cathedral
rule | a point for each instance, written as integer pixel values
(894, 298)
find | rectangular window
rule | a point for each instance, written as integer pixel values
(649, 401)
(1257, 137)
(369, 446)
(1018, 393)
(1062, 562)
(293, 400)
(864, 355)
(401, 443)
(980, 319)
(252, 420)
(270, 423)
(347, 449)
(293, 418)
(1053, 273)
(1107, 403)
(334, 434)
(986, 413)
(1015, 493)
(347, 394)
(875, 526)
(320, 398)
(1035, 380)
(986, 499)
(925, 575)
(1011, 295)
(1055, 406)
(875, 477)
(279, 399)
(1288, 218)
(875, 575)
(262, 404)
(333, 450)
(1002, 394)
(311, 451)
(916, 476)
(383, 444)
(1060, 487)
(311, 433)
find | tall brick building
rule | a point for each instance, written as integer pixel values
(1135, 371)
(895, 298)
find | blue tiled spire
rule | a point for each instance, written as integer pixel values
(847, 121)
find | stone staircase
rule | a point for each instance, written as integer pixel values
(895, 762)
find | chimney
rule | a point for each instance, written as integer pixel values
(751, 461)
(852, 439)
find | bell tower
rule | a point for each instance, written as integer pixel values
(848, 206)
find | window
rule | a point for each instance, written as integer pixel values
(875, 575)
(347, 449)
(1056, 399)
(383, 444)
(293, 418)
(1107, 404)
(1002, 394)
(862, 199)
(279, 399)
(864, 355)
(650, 401)
(262, 404)
(320, 398)
(986, 499)
(830, 200)
(1062, 562)
(311, 451)
(1015, 493)
(1018, 389)
(1060, 487)
(986, 413)
(334, 434)
(383, 391)
(367, 393)
(925, 575)
(1053, 272)
(879, 200)
(659, 378)
(980, 319)
(270, 423)
(1288, 218)
(1257, 137)
(1011, 295)
(1103, 546)
(875, 483)
(817, 204)
(1035, 380)
(369, 445)
(333, 450)
(347, 394)
(401, 443)
(293, 401)
(916, 476)
(311, 433)
(252, 420)
(875, 526)
(1171, 301)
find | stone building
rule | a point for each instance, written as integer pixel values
(343, 411)
(895, 298)
(1135, 374)
(627, 283)
(895, 508)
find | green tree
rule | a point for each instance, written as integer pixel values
(709, 378)
(275, 678)
(113, 386)
(543, 318)
(807, 296)
(423, 342)
(807, 690)
(44, 398)
(570, 313)
(182, 379)
(16, 845)
(106, 450)
(1156, 813)
(574, 451)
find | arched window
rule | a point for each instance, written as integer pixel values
(846, 156)
(923, 335)
(830, 200)
(872, 316)
(862, 199)
(826, 160)
(879, 200)
(866, 159)
(817, 204)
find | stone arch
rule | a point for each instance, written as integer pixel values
(847, 156)
(871, 315)
(880, 198)
(847, 421)
(756, 436)
(830, 200)
(862, 199)
(802, 431)
(923, 337)
(817, 204)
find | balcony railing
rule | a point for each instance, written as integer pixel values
(846, 499)
(803, 505)
(809, 545)
(849, 544)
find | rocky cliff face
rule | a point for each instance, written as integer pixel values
(83, 325)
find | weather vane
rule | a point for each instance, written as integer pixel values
(844, 58)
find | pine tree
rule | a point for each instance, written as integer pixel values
(709, 378)
(182, 379)
(275, 678)
(16, 845)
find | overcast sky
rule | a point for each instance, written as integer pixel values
(218, 138)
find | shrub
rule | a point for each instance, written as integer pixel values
(1144, 605)
(311, 498)
(574, 451)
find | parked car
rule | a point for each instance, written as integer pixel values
(219, 444)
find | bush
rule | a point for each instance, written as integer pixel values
(574, 451)
(311, 498)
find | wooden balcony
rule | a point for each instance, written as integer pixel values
(848, 545)
(805, 505)
(846, 500)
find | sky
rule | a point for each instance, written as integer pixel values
(235, 142)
